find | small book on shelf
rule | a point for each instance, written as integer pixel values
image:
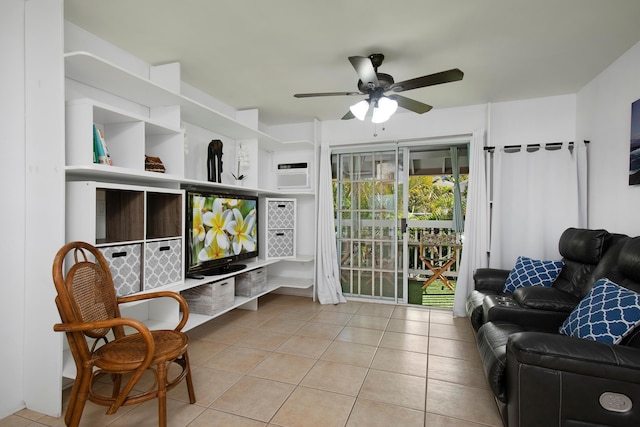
(100, 151)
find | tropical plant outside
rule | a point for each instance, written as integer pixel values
(430, 196)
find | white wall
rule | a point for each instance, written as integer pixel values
(533, 121)
(604, 118)
(32, 149)
(45, 192)
(12, 226)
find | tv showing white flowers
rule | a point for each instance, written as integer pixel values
(221, 229)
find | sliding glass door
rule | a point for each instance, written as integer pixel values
(395, 213)
(366, 188)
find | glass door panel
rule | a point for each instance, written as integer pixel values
(365, 189)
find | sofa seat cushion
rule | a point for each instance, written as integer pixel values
(532, 272)
(492, 345)
(607, 314)
(544, 298)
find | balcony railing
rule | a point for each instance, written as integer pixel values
(369, 266)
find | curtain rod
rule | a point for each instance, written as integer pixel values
(549, 145)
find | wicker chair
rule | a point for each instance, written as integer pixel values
(89, 311)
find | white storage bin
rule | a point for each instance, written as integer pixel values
(251, 283)
(210, 298)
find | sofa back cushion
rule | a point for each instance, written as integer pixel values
(609, 265)
(581, 251)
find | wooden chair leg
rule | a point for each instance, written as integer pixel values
(73, 399)
(72, 418)
(117, 383)
(162, 395)
(190, 389)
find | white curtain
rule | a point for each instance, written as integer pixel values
(537, 195)
(328, 285)
(476, 227)
(458, 225)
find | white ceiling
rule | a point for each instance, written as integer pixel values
(258, 53)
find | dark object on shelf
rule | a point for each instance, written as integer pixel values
(89, 310)
(214, 161)
(153, 164)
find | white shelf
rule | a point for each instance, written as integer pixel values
(94, 71)
(191, 283)
(273, 283)
(300, 258)
(99, 172)
(289, 282)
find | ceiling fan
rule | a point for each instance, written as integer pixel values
(375, 85)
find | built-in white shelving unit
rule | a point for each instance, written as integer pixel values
(129, 136)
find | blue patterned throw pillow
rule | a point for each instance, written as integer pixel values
(607, 314)
(531, 272)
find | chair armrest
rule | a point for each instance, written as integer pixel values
(161, 294)
(110, 323)
(490, 278)
(102, 324)
(575, 355)
(545, 298)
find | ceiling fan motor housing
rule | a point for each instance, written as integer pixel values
(376, 60)
(384, 80)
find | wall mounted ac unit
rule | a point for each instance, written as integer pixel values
(292, 176)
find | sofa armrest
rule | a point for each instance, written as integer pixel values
(575, 355)
(490, 278)
(545, 298)
(576, 382)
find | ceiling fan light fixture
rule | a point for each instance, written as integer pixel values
(360, 109)
(384, 109)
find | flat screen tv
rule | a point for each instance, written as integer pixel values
(221, 230)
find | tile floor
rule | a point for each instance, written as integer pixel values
(298, 363)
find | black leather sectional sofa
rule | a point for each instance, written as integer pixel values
(541, 377)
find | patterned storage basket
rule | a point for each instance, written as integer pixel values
(281, 214)
(163, 263)
(125, 265)
(280, 243)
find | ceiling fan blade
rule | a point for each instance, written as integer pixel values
(365, 70)
(309, 95)
(348, 116)
(411, 104)
(429, 80)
